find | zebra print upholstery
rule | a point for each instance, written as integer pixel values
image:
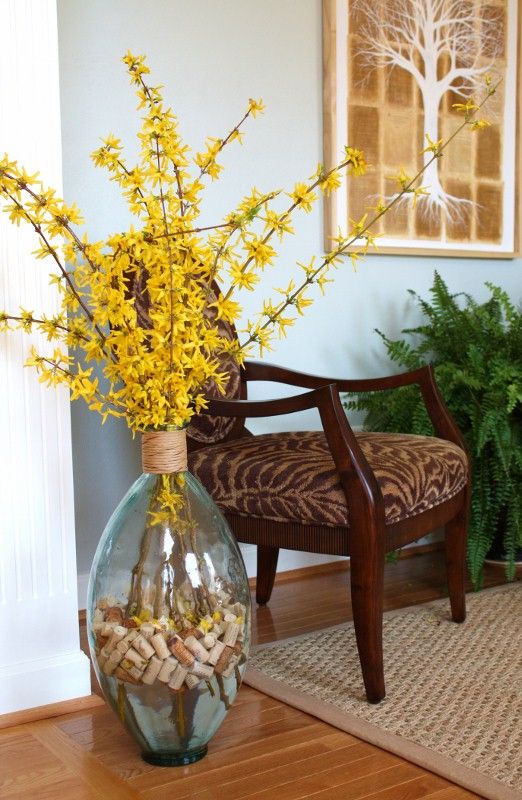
(290, 477)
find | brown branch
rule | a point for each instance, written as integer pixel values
(71, 375)
(287, 214)
(51, 250)
(44, 322)
(223, 143)
(173, 234)
(152, 104)
(60, 220)
(290, 300)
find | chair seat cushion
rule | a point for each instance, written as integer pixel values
(291, 477)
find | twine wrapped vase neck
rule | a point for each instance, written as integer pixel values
(163, 452)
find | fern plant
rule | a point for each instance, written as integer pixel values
(476, 350)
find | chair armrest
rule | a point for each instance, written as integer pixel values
(357, 478)
(266, 408)
(260, 371)
(424, 377)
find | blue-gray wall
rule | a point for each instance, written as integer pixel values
(212, 56)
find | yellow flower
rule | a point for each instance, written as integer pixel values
(255, 107)
(261, 252)
(358, 226)
(280, 223)
(432, 147)
(329, 182)
(356, 161)
(243, 278)
(303, 196)
(228, 310)
(402, 179)
(479, 124)
(468, 108)
(380, 208)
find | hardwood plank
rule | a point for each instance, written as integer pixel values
(423, 786)
(355, 757)
(287, 725)
(242, 776)
(39, 774)
(82, 764)
(217, 760)
(365, 776)
(452, 793)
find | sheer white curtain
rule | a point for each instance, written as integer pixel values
(40, 657)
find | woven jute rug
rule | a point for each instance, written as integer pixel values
(454, 692)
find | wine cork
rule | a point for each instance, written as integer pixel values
(223, 660)
(102, 657)
(152, 671)
(177, 677)
(147, 630)
(135, 672)
(191, 681)
(180, 652)
(135, 658)
(125, 643)
(231, 634)
(229, 671)
(143, 647)
(196, 648)
(122, 675)
(114, 614)
(201, 670)
(117, 635)
(209, 640)
(160, 646)
(215, 653)
(167, 668)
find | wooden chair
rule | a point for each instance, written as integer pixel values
(336, 492)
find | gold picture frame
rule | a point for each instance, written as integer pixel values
(379, 96)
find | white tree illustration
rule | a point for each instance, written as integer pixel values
(444, 45)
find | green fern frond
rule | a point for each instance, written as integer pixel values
(476, 350)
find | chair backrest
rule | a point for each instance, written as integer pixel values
(204, 429)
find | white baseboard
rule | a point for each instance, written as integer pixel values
(288, 560)
(43, 681)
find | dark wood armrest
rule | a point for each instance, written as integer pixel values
(424, 377)
(266, 408)
(356, 477)
(260, 371)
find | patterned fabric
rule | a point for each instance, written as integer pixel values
(291, 476)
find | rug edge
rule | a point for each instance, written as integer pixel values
(423, 757)
(393, 612)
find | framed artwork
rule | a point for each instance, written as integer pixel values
(393, 70)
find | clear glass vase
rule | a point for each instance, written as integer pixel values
(169, 617)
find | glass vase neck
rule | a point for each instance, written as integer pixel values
(164, 451)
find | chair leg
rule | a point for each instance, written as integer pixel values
(367, 588)
(266, 572)
(455, 540)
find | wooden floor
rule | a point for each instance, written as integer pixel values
(264, 750)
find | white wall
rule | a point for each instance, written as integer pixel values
(40, 657)
(212, 56)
